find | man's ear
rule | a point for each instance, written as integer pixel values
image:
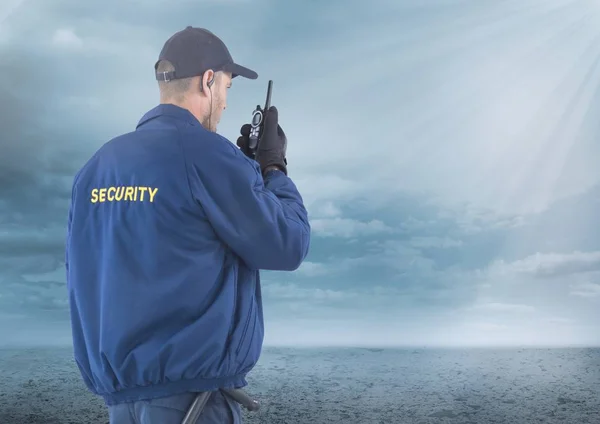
(208, 79)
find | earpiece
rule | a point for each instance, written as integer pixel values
(209, 83)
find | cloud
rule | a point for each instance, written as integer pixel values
(586, 290)
(325, 209)
(488, 327)
(8, 8)
(550, 265)
(341, 227)
(452, 187)
(426, 242)
(66, 37)
(504, 307)
(294, 292)
(313, 269)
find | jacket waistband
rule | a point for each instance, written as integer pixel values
(172, 388)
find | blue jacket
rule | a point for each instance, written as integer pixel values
(167, 229)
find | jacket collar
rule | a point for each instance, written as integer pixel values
(171, 111)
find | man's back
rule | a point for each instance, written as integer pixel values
(167, 230)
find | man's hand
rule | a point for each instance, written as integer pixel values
(272, 148)
(273, 143)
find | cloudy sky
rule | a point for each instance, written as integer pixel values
(447, 151)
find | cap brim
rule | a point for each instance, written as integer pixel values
(239, 70)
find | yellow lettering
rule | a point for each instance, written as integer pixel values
(94, 195)
(152, 193)
(142, 191)
(128, 193)
(108, 195)
(117, 194)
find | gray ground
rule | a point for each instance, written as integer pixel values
(349, 386)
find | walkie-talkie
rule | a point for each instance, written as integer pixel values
(258, 120)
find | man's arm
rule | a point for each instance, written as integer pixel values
(263, 221)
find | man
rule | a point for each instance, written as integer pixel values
(168, 227)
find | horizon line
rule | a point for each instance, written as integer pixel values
(424, 346)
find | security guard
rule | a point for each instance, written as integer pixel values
(168, 228)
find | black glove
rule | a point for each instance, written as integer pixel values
(244, 140)
(273, 143)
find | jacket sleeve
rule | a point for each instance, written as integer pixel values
(67, 238)
(263, 221)
(68, 232)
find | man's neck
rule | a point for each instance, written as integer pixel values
(185, 105)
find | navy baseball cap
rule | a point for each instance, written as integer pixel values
(193, 51)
